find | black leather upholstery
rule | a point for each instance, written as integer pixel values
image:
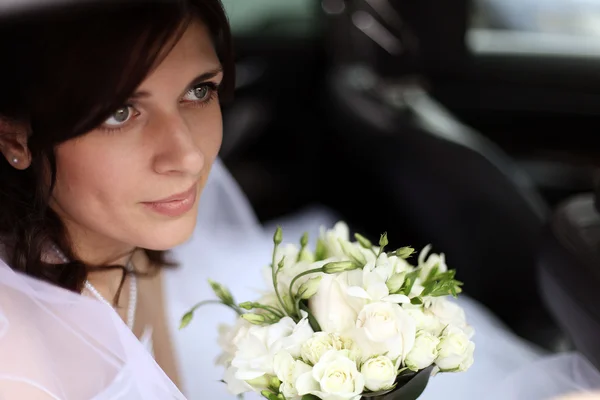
(444, 181)
(569, 269)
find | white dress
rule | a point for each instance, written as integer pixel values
(58, 345)
(230, 246)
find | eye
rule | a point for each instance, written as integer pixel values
(120, 117)
(201, 93)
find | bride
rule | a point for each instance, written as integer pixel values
(110, 126)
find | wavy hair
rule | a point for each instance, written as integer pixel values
(63, 72)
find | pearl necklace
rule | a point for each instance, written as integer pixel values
(132, 290)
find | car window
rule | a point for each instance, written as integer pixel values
(272, 17)
(567, 17)
(550, 27)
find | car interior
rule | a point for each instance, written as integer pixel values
(468, 124)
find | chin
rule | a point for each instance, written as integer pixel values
(166, 236)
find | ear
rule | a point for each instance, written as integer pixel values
(13, 143)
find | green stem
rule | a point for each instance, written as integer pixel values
(274, 271)
(310, 271)
(312, 320)
(271, 309)
(205, 302)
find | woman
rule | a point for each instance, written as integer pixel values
(109, 125)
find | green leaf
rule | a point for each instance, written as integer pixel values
(416, 301)
(433, 273)
(310, 397)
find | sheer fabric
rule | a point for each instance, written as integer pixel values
(55, 344)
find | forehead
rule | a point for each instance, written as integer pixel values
(193, 54)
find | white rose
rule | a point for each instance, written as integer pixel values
(332, 238)
(449, 313)
(320, 343)
(259, 344)
(424, 353)
(333, 308)
(455, 351)
(424, 319)
(385, 328)
(379, 373)
(288, 371)
(334, 377)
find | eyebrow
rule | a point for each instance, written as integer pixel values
(199, 79)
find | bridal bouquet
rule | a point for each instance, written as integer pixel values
(347, 320)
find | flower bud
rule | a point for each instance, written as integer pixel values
(423, 353)
(186, 319)
(405, 252)
(363, 241)
(394, 284)
(255, 319)
(309, 288)
(383, 241)
(353, 252)
(278, 236)
(247, 305)
(222, 292)
(304, 240)
(339, 267)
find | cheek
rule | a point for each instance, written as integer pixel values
(87, 174)
(207, 129)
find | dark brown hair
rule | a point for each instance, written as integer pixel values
(62, 73)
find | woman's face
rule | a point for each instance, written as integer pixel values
(136, 181)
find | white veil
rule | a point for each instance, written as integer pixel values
(55, 344)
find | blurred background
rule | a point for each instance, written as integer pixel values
(462, 123)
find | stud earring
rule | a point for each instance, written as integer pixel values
(15, 160)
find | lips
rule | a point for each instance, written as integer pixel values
(176, 205)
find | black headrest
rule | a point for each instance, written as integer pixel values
(597, 192)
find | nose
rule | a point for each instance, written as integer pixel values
(176, 150)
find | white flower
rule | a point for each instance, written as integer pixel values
(428, 263)
(333, 238)
(425, 320)
(379, 373)
(449, 313)
(374, 287)
(259, 344)
(455, 351)
(235, 386)
(333, 308)
(320, 343)
(228, 338)
(423, 353)
(288, 371)
(334, 377)
(384, 328)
